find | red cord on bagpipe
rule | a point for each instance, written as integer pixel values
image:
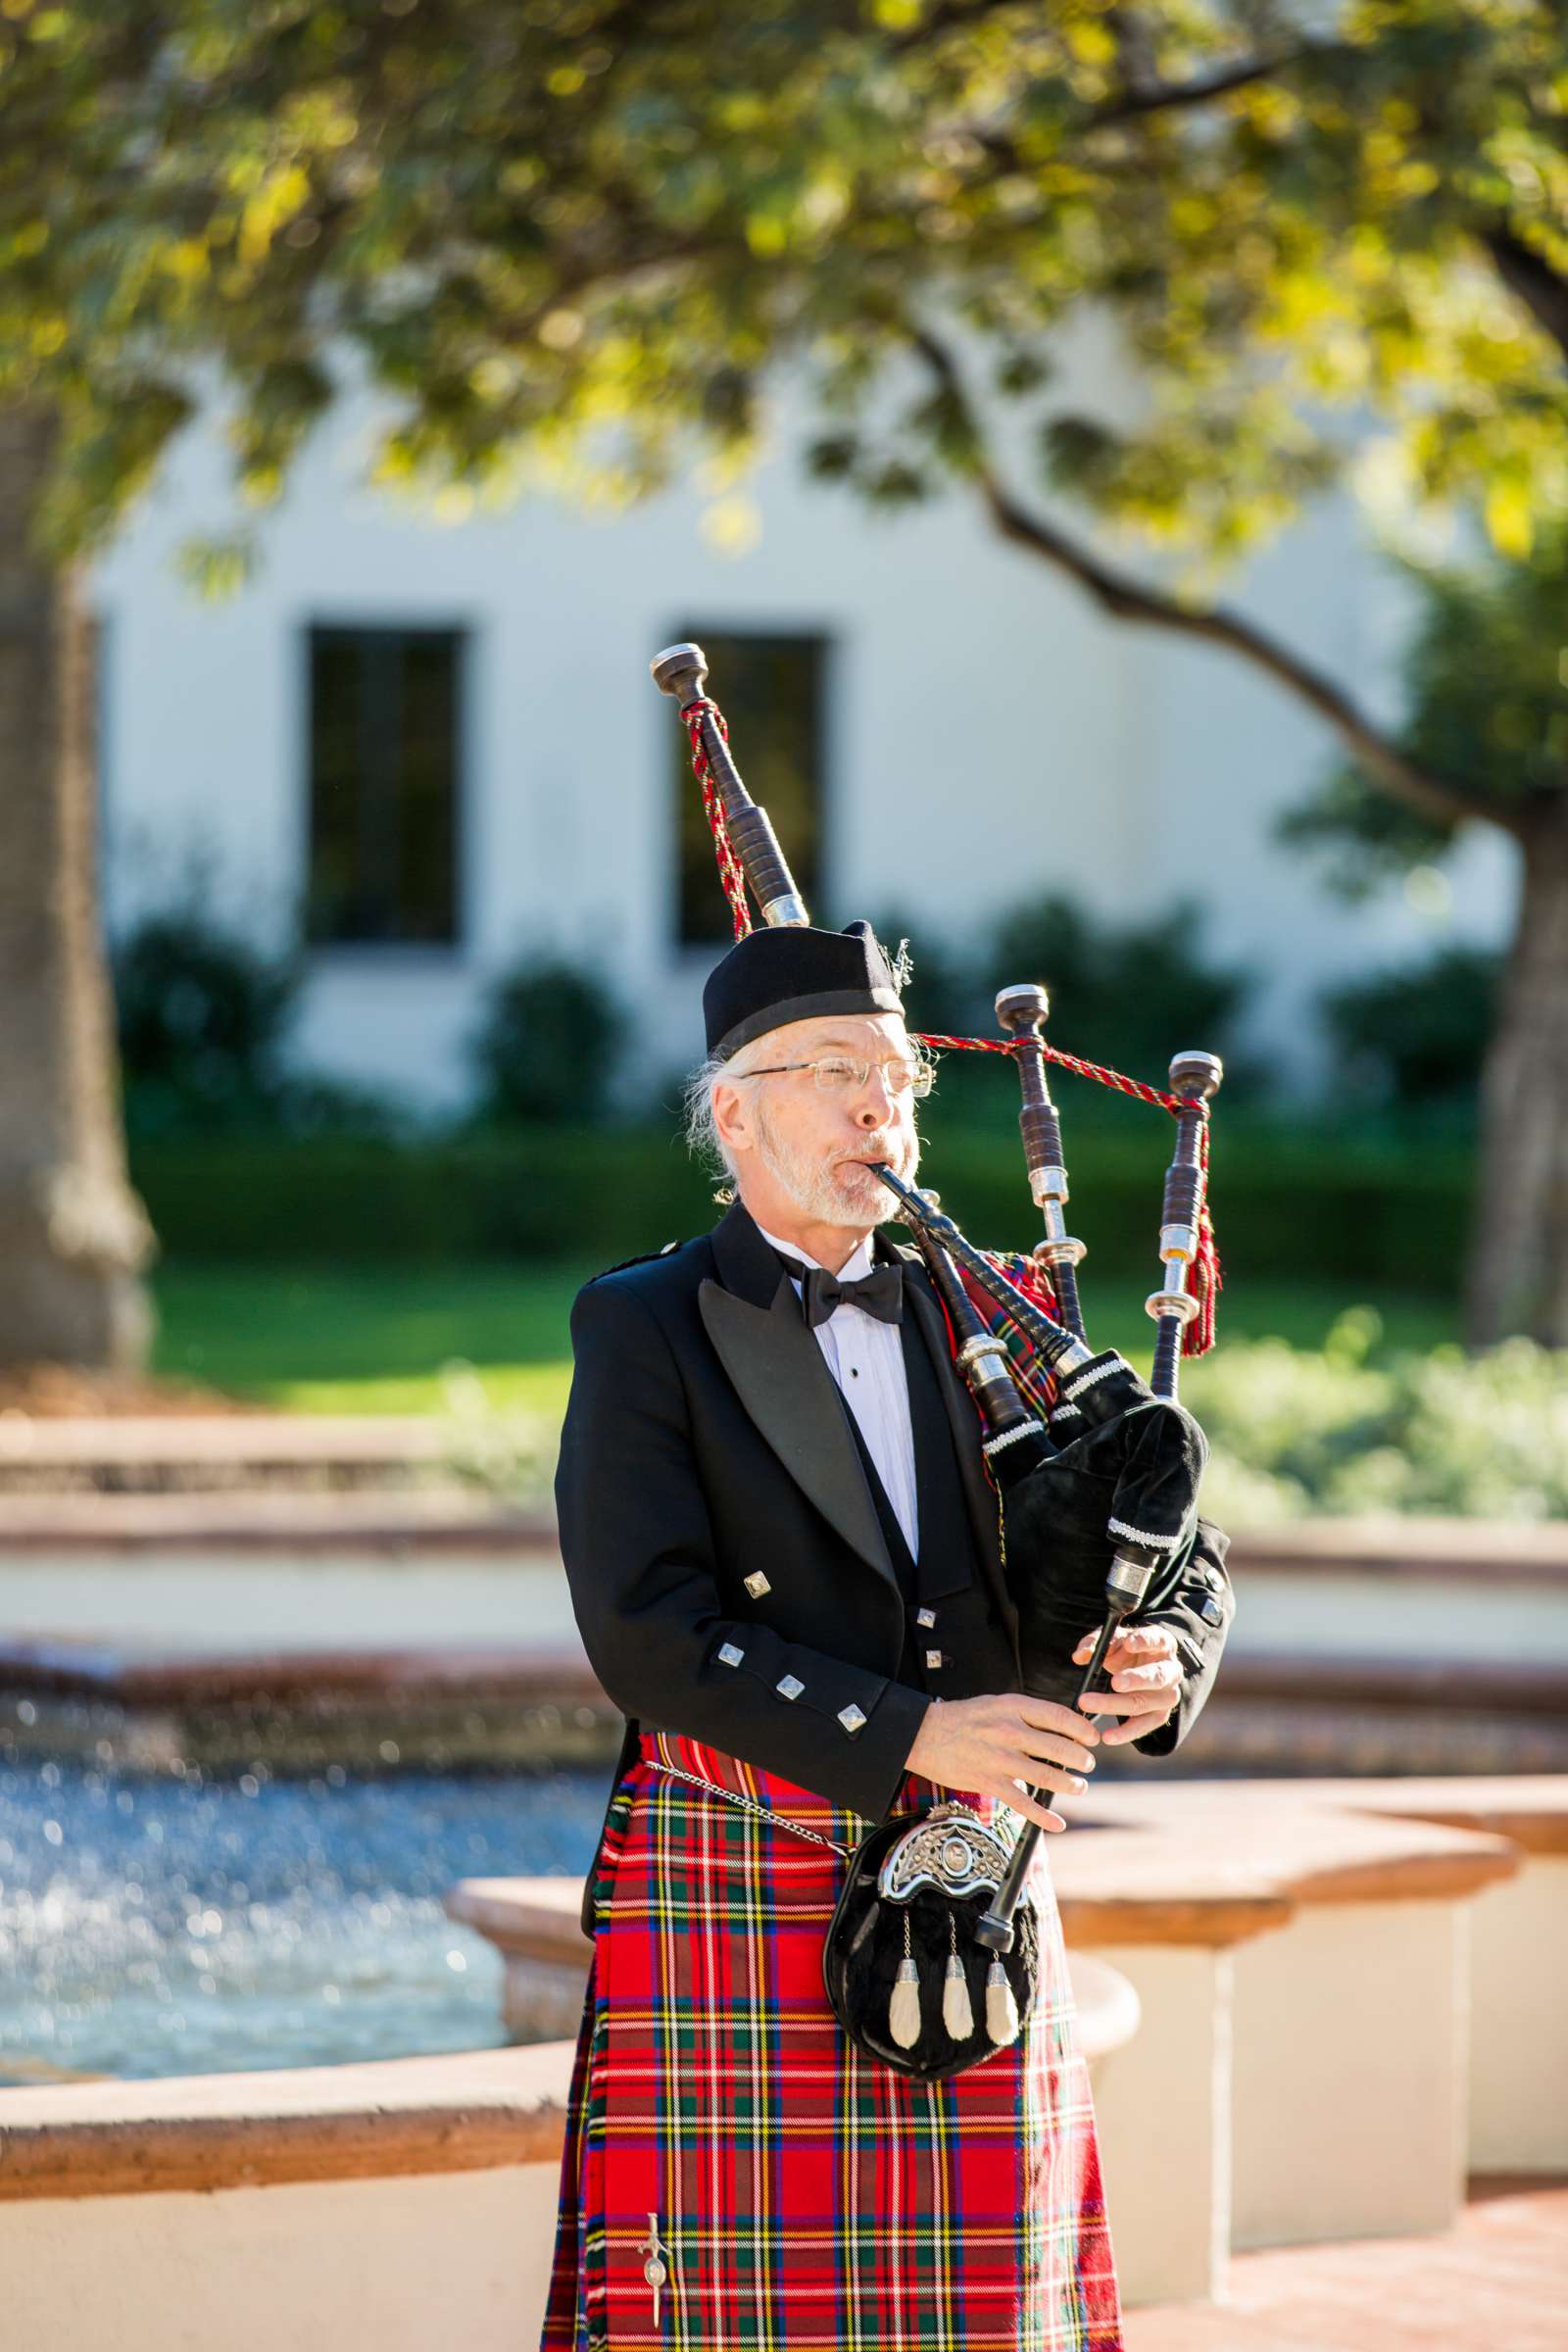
(1197, 1336)
(729, 866)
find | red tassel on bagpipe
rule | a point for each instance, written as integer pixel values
(1207, 1280)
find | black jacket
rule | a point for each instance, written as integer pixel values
(705, 1441)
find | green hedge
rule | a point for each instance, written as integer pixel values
(1287, 1202)
(1297, 1431)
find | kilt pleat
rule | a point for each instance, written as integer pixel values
(806, 2199)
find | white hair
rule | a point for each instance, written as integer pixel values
(702, 1128)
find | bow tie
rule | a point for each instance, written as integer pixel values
(880, 1292)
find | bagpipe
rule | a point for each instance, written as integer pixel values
(1097, 1471)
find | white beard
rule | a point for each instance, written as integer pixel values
(833, 1192)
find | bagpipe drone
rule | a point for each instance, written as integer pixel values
(1097, 1470)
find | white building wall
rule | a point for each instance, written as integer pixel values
(988, 736)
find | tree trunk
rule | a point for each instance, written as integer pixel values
(1518, 1272)
(74, 1236)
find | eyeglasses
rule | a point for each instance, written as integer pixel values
(837, 1074)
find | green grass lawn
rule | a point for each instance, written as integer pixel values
(374, 1341)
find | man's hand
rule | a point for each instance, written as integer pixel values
(1003, 1744)
(1146, 1681)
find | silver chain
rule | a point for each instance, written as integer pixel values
(749, 1805)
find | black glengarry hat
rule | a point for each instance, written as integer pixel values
(792, 973)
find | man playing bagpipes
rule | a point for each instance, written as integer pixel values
(785, 1549)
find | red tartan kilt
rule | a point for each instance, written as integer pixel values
(804, 2195)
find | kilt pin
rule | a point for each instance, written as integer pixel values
(794, 2192)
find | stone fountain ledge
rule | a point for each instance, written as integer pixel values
(402, 2204)
(403, 1522)
(143, 1707)
(155, 1442)
(463, 2112)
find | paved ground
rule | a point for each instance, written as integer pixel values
(1498, 2282)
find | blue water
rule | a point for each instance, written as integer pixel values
(152, 1926)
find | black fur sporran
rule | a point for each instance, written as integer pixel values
(878, 1924)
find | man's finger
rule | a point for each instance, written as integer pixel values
(1134, 1645)
(1161, 1675)
(1148, 1641)
(1131, 1702)
(1137, 1727)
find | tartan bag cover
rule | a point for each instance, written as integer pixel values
(1024, 1360)
(723, 2130)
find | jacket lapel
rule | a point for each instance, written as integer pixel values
(754, 1319)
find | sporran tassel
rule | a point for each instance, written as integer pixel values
(903, 2010)
(1002, 2010)
(957, 2013)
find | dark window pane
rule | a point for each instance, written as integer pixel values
(770, 689)
(383, 785)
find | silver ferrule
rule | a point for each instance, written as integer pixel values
(787, 911)
(1180, 1304)
(1062, 1252)
(984, 1355)
(1130, 1579)
(1046, 1185)
(1178, 1241)
(1072, 1359)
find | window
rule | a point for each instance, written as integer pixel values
(385, 751)
(770, 689)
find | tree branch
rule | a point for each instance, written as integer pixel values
(1167, 97)
(1531, 277)
(1140, 100)
(1404, 779)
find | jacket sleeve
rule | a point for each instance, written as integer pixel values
(638, 1547)
(1199, 1613)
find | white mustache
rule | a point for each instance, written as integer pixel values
(829, 1183)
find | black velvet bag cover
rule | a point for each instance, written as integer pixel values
(1130, 1477)
(866, 1945)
